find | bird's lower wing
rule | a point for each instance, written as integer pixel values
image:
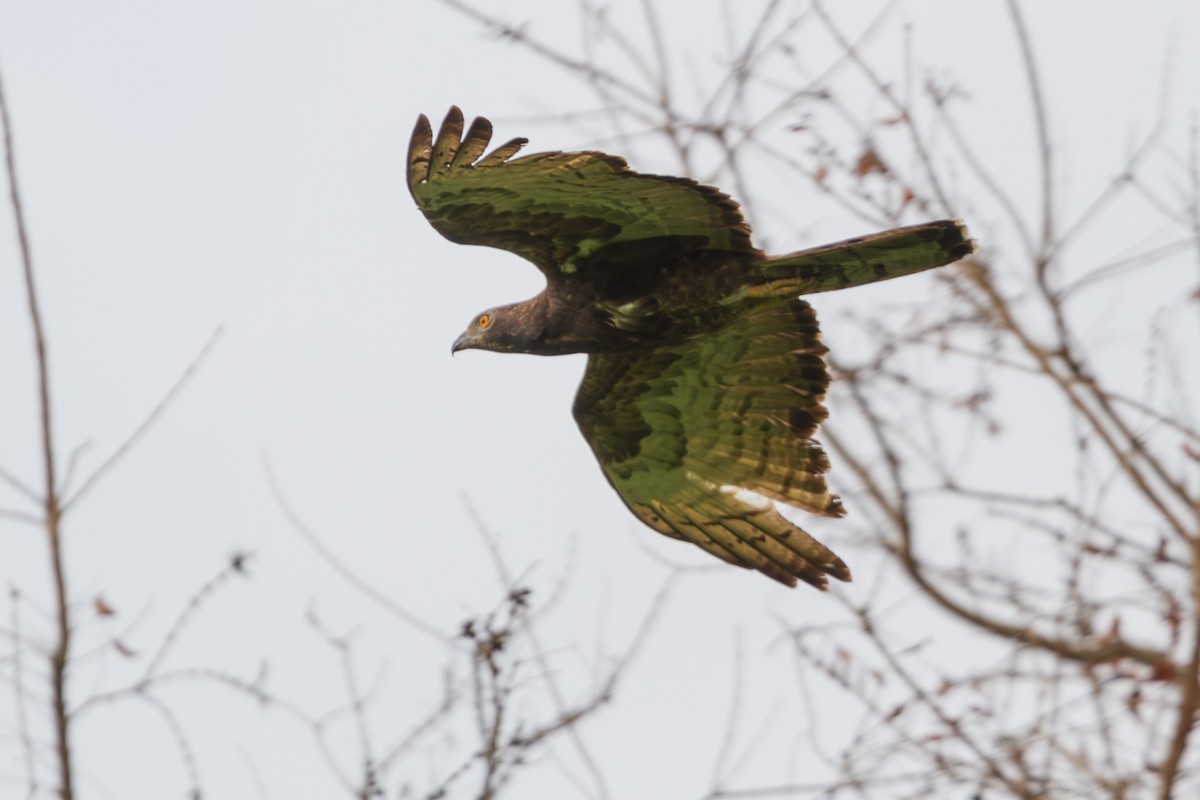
(699, 438)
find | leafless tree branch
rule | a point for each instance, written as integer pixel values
(50, 501)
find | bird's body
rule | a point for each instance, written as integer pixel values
(631, 306)
(705, 374)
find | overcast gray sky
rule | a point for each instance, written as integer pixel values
(193, 166)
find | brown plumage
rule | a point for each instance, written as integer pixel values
(705, 375)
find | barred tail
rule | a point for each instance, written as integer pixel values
(865, 259)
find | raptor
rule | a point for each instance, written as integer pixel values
(705, 378)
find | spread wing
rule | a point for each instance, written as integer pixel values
(562, 211)
(699, 438)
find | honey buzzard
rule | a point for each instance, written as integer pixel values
(705, 376)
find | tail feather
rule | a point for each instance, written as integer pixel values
(865, 259)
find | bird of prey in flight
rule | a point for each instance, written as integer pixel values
(705, 376)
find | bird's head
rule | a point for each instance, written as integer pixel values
(505, 329)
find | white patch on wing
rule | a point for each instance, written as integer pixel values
(757, 502)
(752, 499)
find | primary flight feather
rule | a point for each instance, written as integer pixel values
(705, 374)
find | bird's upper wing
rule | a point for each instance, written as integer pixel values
(699, 438)
(562, 211)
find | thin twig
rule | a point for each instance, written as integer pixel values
(236, 566)
(150, 419)
(1045, 152)
(369, 787)
(730, 728)
(339, 567)
(558, 57)
(18, 648)
(16, 483)
(181, 742)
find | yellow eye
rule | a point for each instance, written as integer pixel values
(484, 320)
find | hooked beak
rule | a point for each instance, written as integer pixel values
(461, 343)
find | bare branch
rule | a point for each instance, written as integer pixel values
(49, 499)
